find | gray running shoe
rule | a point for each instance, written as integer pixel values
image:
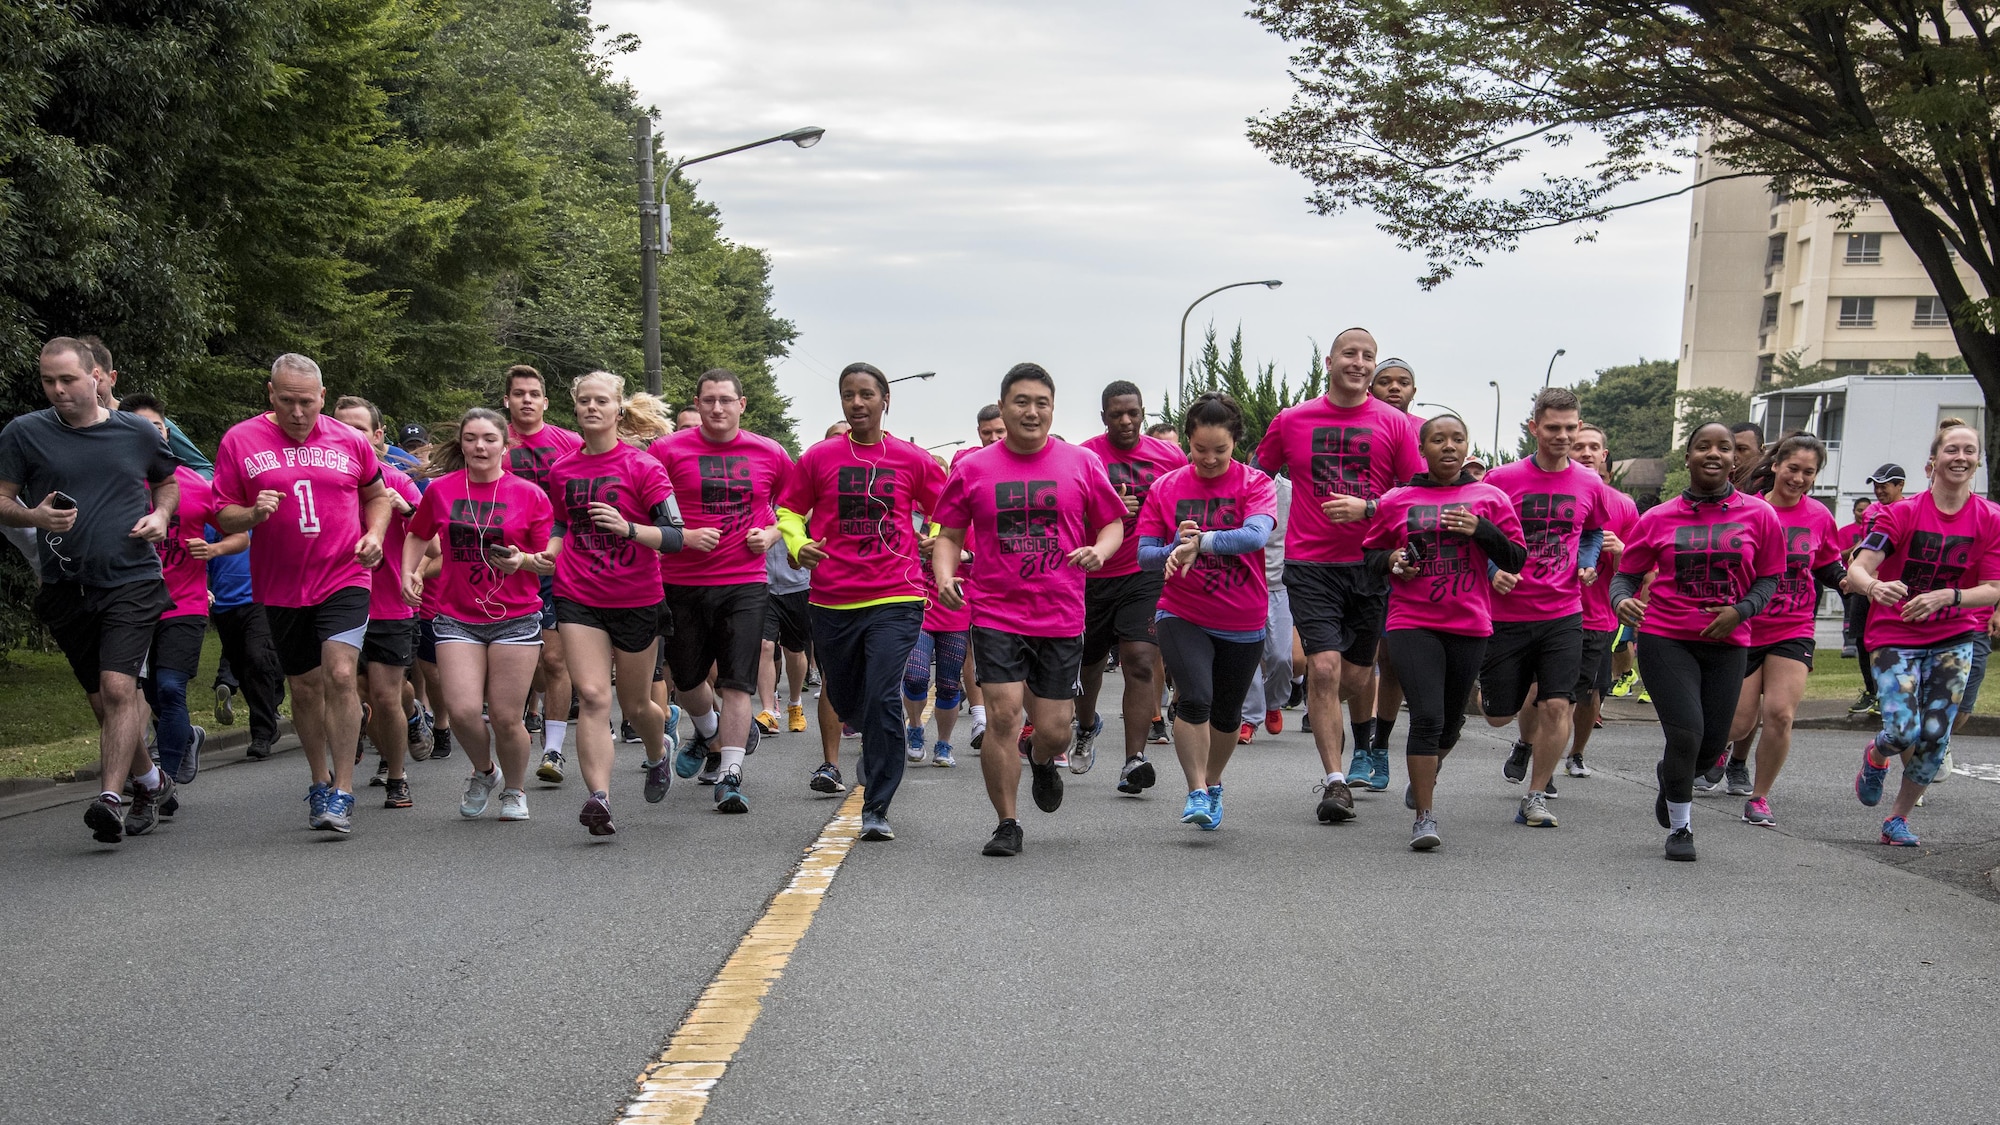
(1738, 774)
(1424, 834)
(1535, 812)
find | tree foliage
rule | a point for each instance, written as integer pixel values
(1426, 111)
(1260, 395)
(1634, 404)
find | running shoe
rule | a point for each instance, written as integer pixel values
(978, 738)
(1868, 782)
(711, 769)
(1660, 811)
(1738, 775)
(1895, 832)
(1360, 768)
(729, 794)
(381, 777)
(1047, 787)
(875, 826)
(1647, 697)
(1549, 790)
(812, 677)
(1336, 802)
(316, 798)
(1424, 834)
(659, 779)
(795, 718)
(1157, 734)
(396, 794)
(1195, 811)
(826, 779)
(1848, 652)
(848, 731)
(106, 820)
(1576, 767)
(1245, 733)
(1757, 811)
(513, 804)
(1083, 748)
(767, 723)
(1274, 722)
(689, 757)
(1214, 809)
(941, 755)
(1298, 695)
(1680, 845)
(625, 732)
(260, 749)
(339, 815)
(1378, 770)
(1306, 723)
(674, 725)
(478, 790)
(1596, 723)
(225, 706)
(1711, 778)
(422, 735)
(142, 812)
(1864, 702)
(1534, 812)
(533, 722)
(596, 815)
(1944, 768)
(1516, 768)
(915, 737)
(191, 758)
(1026, 743)
(440, 743)
(1006, 839)
(1622, 687)
(1135, 776)
(1060, 761)
(551, 769)
(170, 806)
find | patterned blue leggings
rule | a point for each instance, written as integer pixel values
(948, 650)
(1920, 690)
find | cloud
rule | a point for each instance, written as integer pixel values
(1055, 181)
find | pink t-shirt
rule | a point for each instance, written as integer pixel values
(531, 456)
(385, 591)
(1810, 542)
(733, 486)
(304, 552)
(1847, 535)
(1555, 510)
(1618, 516)
(1222, 592)
(1023, 515)
(1929, 550)
(1133, 470)
(1331, 451)
(469, 516)
(187, 576)
(603, 568)
(1707, 558)
(1451, 593)
(937, 617)
(863, 501)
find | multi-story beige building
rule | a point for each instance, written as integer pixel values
(1768, 276)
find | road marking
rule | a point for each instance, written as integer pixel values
(1982, 772)
(674, 1089)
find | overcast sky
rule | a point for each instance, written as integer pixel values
(1029, 180)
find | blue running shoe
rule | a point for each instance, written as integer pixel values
(340, 808)
(915, 737)
(673, 724)
(1868, 782)
(692, 753)
(729, 794)
(316, 799)
(1896, 832)
(1196, 810)
(1378, 770)
(1214, 809)
(941, 755)
(1361, 770)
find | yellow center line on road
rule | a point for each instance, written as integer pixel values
(674, 1089)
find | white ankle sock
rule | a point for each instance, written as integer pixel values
(152, 779)
(1680, 814)
(553, 733)
(706, 724)
(732, 760)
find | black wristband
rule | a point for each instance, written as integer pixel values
(631, 532)
(1957, 595)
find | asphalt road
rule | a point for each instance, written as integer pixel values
(237, 967)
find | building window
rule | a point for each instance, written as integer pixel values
(1766, 366)
(1864, 249)
(1851, 366)
(1776, 256)
(1690, 292)
(1931, 313)
(1770, 313)
(1697, 231)
(1779, 197)
(1857, 312)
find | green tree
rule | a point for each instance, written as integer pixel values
(1260, 396)
(1634, 403)
(1421, 111)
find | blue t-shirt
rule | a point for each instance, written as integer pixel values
(229, 579)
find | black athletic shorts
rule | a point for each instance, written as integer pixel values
(390, 642)
(1798, 648)
(786, 623)
(1545, 655)
(1593, 675)
(1337, 607)
(1049, 666)
(177, 645)
(548, 587)
(721, 626)
(103, 628)
(297, 632)
(631, 630)
(1119, 611)
(427, 641)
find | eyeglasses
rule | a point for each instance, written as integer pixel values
(715, 403)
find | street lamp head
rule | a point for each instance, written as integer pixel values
(1562, 351)
(806, 137)
(1270, 284)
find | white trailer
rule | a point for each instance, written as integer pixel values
(1868, 421)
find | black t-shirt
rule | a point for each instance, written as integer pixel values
(108, 470)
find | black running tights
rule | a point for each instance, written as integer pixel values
(1438, 671)
(1695, 685)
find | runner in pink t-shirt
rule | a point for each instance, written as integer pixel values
(1342, 452)
(941, 644)
(312, 488)
(533, 448)
(1039, 515)
(1719, 555)
(614, 516)
(1206, 526)
(990, 429)
(726, 482)
(1120, 600)
(1600, 625)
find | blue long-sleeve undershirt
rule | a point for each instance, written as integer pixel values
(1254, 535)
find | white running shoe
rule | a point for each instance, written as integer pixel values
(478, 790)
(513, 805)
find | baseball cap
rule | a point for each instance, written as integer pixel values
(412, 434)
(1887, 472)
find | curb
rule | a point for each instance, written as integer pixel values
(20, 795)
(1978, 726)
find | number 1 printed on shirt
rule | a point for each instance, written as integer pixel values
(308, 512)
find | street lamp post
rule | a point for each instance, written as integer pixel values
(656, 225)
(1495, 451)
(944, 445)
(1180, 376)
(918, 375)
(1560, 352)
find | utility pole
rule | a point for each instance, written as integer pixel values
(649, 254)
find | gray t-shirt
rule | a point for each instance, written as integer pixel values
(108, 470)
(783, 579)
